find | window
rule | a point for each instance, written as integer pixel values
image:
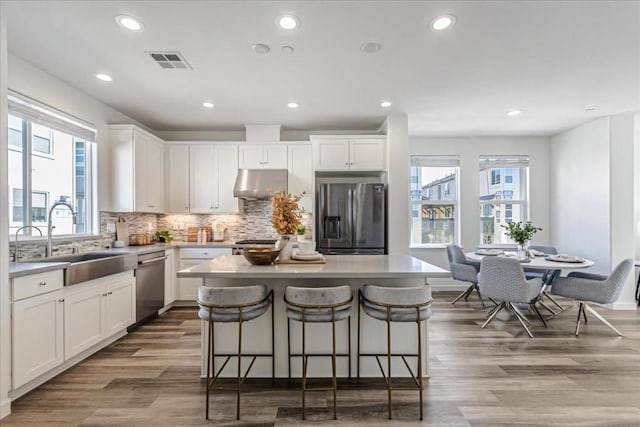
(57, 151)
(502, 201)
(436, 201)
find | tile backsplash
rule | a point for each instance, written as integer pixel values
(252, 223)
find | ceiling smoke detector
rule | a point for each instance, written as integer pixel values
(170, 60)
(371, 47)
(260, 48)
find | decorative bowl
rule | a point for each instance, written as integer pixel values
(261, 256)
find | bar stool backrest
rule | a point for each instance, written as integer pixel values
(400, 296)
(237, 295)
(318, 297)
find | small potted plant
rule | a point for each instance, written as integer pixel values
(164, 236)
(521, 233)
(301, 232)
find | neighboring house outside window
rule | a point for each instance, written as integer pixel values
(502, 200)
(436, 200)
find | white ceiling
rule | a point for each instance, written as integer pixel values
(551, 59)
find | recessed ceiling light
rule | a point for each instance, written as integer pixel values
(371, 47)
(207, 104)
(293, 105)
(129, 22)
(514, 113)
(385, 104)
(443, 22)
(104, 77)
(260, 48)
(589, 110)
(288, 22)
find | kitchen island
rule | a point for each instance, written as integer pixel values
(354, 270)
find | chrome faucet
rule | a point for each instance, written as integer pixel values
(50, 224)
(15, 253)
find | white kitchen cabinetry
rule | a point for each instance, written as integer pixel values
(213, 170)
(169, 277)
(96, 310)
(137, 166)
(300, 166)
(349, 153)
(188, 287)
(37, 336)
(177, 178)
(263, 156)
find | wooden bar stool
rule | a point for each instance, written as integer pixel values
(236, 304)
(396, 304)
(318, 305)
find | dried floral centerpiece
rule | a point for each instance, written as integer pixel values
(285, 218)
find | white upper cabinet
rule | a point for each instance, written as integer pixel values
(137, 166)
(300, 175)
(263, 156)
(212, 172)
(177, 178)
(349, 153)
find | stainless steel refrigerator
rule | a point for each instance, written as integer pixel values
(351, 219)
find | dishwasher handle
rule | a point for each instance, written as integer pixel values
(149, 261)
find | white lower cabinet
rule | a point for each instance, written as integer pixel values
(37, 336)
(51, 328)
(97, 309)
(188, 287)
(169, 277)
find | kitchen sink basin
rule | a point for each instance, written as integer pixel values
(89, 266)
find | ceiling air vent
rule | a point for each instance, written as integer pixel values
(170, 60)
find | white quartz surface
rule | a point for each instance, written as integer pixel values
(336, 267)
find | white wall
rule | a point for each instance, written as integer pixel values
(592, 167)
(37, 84)
(636, 168)
(469, 149)
(5, 305)
(580, 173)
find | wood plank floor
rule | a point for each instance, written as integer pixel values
(491, 377)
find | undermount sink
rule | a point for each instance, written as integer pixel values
(89, 266)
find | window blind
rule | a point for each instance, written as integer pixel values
(37, 112)
(487, 162)
(435, 161)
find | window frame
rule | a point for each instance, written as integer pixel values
(19, 107)
(452, 161)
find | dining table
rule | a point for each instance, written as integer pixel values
(546, 265)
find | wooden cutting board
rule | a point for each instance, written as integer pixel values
(298, 261)
(122, 232)
(192, 233)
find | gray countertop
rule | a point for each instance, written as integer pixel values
(17, 269)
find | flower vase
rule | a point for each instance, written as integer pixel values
(523, 251)
(286, 247)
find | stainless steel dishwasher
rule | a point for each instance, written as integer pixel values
(149, 286)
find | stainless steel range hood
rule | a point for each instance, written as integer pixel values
(259, 183)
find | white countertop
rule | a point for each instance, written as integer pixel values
(336, 267)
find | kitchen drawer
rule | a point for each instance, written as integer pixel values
(37, 284)
(204, 253)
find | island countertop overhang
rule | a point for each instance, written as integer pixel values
(336, 267)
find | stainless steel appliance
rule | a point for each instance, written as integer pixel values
(149, 286)
(240, 245)
(351, 219)
(259, 183)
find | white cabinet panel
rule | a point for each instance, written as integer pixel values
(366, 154)
(349, 154)
(301, 174)
(38, 344)
(83, 320)
(263, 156)
(212, 175)
(137, 170)
(332, 154)
(188, 287)
(120, 304)
(169, 277)
(178, 178)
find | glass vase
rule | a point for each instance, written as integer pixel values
(523, 251)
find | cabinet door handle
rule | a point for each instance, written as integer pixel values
(346, 163)
(152, 206)
(110, 293)
(43, 283)
(205, 253)
(351, 163)
(61, 300)
(104, 295)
